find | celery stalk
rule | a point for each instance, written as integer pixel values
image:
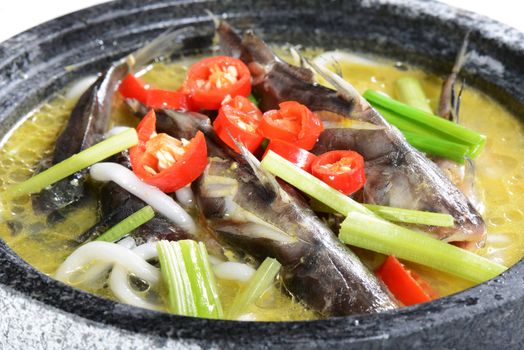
(191, 286)
(371, 233)
(409, 91)
(411, 216)
(454, 132)
(258, 284)
(77, 162)
(407, 216)
(309, 184)
(127, 225)
(202, 279)
(180, 299)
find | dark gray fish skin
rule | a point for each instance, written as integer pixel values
(116, 204)
(397, 174)
(87, 123)
(317, 268)
(90, 117)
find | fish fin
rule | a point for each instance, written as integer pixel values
(297, 59)
(215, 18)
(230, 42)
(165, 44)
(343, 87)
(266, 179)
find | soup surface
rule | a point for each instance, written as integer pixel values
(499, 174)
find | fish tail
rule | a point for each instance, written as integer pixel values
(448, 100)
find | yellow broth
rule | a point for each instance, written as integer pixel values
(500, 171)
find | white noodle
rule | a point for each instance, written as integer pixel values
(109, 253)
(98, 269)
(119, 280)
(160, 201)
(93, 273)
(185, 196)
(234, 271)
(127, 242)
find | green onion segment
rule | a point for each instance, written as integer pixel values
(257, 285)
(411, 216)
(127, 225)
(438, 147)
(71, 165)
(411, 119)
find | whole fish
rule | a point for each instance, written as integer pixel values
(397, 174)
(250, 211)
(90, 117)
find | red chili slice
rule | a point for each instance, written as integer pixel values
(402, 282)
(210, 80)
(293, 123)
(342, 170)
(132, 87)
(164, 161)
(239, 118)
(158, 98)
(296, 155)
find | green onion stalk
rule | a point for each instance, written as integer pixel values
(77, 162)
(127, 225)
(418, 121)
(257, 285)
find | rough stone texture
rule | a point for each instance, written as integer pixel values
(38, 312)
(28, 324)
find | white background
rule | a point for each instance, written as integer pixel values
(18, 15)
